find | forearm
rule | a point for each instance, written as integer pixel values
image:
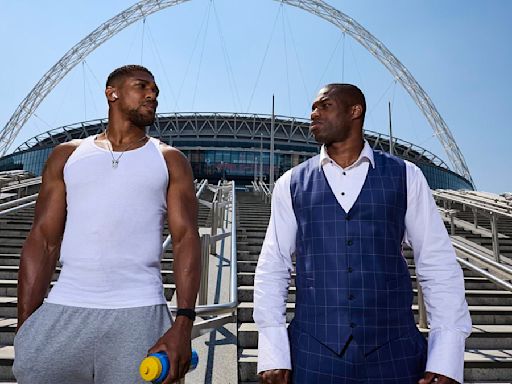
(187, 269)
(37, 265)
(271, 283)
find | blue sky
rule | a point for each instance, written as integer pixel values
(232, 55)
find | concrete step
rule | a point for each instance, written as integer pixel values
(7, 330)
(6, 248)
(483, 365)
(246, 265)
(6, 360)
(8, 232)
(9, 258)
(22, 227)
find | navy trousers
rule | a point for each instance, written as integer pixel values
(400, 361)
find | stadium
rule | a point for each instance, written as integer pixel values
(234, 147)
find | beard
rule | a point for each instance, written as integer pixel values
(140, 119)
(330, 133)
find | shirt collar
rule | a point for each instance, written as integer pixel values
(366, 153)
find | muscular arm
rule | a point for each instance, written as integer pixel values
(41, 249)
(182, 218)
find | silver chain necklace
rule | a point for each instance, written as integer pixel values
(115, 162)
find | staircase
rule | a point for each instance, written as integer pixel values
(488, 350)
(488, 357)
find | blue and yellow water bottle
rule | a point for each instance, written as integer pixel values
(155, 367)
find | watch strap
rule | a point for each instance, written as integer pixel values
(187, 312)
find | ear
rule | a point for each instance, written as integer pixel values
(357, 111)
(111, 94)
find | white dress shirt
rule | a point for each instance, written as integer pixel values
(437, 270)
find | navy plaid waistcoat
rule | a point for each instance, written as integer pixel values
(351, 276)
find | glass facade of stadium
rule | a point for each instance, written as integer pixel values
(233, 146)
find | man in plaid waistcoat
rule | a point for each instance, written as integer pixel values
(344, 214)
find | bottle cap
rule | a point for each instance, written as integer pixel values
(194, 360)
(150, 368)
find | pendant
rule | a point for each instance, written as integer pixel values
(115, 163)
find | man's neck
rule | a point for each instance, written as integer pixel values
(124, 133)
(345, 153)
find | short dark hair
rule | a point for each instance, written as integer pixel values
(125, 70)
(348, 94)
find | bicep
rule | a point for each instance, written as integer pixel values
(50, 210)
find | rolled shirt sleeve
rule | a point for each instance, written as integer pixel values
(440, 277)
(272, 280)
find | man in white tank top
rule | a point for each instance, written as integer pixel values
(101, 209)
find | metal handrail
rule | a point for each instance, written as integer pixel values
(264, 190)
(23, 183)
(499, 266)
(488, 199)
(200, 188)
(17, 202)
(17, 208)
(482, 207)
(500, 282)
(492, 212)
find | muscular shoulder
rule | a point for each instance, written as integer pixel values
(175, 159)
(60, 155)
(171, 153)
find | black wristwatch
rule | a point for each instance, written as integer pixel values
(187, 312)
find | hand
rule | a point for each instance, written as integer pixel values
(176, 342)
(275, 376)
(431, 377)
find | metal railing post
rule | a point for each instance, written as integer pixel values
(226, 218)
(422, 310)
(205, 263)
(215, 214)
(222, 208)
(452, 224)
(495, 243)
(475, 217)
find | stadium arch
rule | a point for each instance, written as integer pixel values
(319, 8)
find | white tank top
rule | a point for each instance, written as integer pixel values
(112, 244)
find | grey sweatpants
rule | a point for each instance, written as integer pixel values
(60, 344)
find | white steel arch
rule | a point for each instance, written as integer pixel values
(319, 8)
